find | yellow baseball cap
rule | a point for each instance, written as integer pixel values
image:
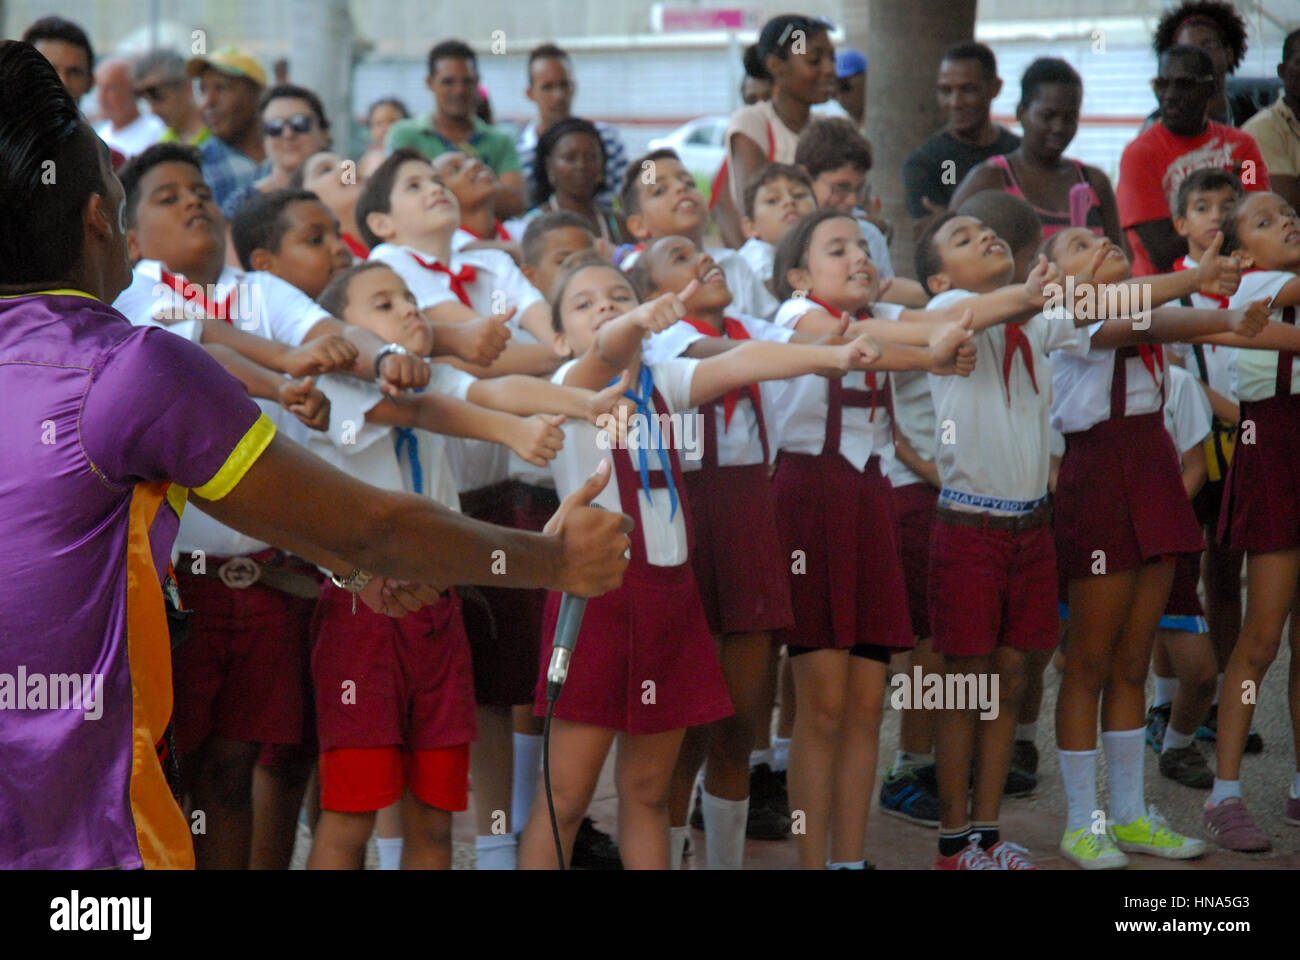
(231, 61)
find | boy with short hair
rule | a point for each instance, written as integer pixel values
(777, 196)
(475, 187)
(293, 235)
(548, 241)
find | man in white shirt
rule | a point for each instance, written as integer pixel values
(124, 128)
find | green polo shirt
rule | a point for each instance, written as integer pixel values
(492, 145)
(171, 136)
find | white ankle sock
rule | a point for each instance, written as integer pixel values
(1125, 753)
(1223, 790)
(1027, 731)
(1175, 740)
(760, 756)
(848, 865)
(496, 851)
(390, 852)
(1079, 771)
(904, 761)
(724, 831)
(780, 753)
(1166, 687)
(527, 770)
(677, 837)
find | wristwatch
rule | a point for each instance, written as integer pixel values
(353, 583)
(388, 348)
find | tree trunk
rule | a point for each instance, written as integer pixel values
(904, 40)
(321, 44)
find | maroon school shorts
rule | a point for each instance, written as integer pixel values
(241, 672)
(384, 682)
(849, 588)
(915, 504)
(1183, 599)
(743, 576)
(1120, 492)
(644, 662)
(1261, 505)
(992, 587)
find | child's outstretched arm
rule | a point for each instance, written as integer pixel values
(525, 396)
(1273, 336)
(618, 341)
(299, 397)
(459, 331)
(396, 372)
(1166, 324)
(1014, 302)
(529, 359)
(1214, 275)
(322, 354)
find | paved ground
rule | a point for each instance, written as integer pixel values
(1035, 821)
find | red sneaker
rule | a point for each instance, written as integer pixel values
(970, 858)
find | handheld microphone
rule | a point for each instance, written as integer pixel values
(566, 638)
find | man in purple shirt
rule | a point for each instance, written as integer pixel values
(108, 430)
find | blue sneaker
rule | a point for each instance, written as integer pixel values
(1157, 724)
(905, 795)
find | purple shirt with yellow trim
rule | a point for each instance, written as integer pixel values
(105, 425)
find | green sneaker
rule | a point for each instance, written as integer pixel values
(1152, 835)
(1091, 851)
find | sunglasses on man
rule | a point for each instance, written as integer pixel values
(156, 92)
(299, 123)
(1181, 84)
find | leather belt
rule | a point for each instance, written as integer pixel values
(270, 568)
(1040, 516)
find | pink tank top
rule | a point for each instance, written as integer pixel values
(1085, 205)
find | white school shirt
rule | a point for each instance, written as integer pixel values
(749, 297)
(738, 444)
(1257, 369)
(1188, 416)
(914, 420)
(1220, 361)
(796, 418)
(514, 231)
(274, 309)
(664, 531)
(1000, 456)
(1081, 387)
(759, 255)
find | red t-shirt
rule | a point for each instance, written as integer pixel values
(1155, 164)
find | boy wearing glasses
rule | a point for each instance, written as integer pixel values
(1182, 141)
(160, 80)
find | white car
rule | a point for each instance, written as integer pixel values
(699, 143)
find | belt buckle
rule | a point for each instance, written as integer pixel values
(239, 573)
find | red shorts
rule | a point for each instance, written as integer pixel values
(1261, 506)
(742, 575)
(991, 588)
(382, 682)
(1120, 500)
(1183, 599)
(360, 780)
(848, 589)
(915, 503)
(504, 626)
(241, 672)
(645, 661)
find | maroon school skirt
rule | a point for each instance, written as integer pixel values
(846, 579)
(739, 567)
(645, 661)
(382, 682)
(915, 503)
(1183, 599)
(1261, 501)
(1120, 492)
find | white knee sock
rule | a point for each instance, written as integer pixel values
(780, 753)
(724, 831)
(1175, 740)
(1166, 687)
(1079, 771)
(855, 865)
(760, 756)
(527, 771)
(496, 851)
(390, 852)
(677, 838)
(1125, 754)
(1027, 731)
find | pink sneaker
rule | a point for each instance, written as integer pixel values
(1010, 856)
(970, 858)
(1232, 827)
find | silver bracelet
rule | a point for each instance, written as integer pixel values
(353, 583)
(388, 348)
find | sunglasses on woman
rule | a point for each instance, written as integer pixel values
(299, 123)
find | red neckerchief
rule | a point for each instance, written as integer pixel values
(193, 293)
(497, 227)
(359, 249)
(736, 331)
(1153, 355)
(863, 314)
(1222, 302)
(458, 280)
(1016, 340)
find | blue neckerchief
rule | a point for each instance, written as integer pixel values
(642, 401)
(405, 437)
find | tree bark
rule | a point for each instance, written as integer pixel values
(321, 45)
(904, 40)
